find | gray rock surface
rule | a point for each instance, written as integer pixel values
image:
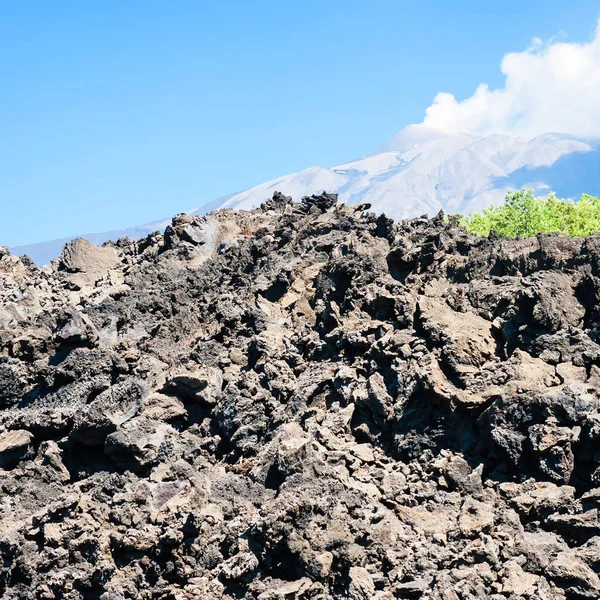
(304, 401)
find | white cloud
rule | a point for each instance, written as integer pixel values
(551, 87)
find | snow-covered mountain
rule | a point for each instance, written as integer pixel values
(422, 170)
(418, 171)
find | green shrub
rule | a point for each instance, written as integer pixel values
(524, 215)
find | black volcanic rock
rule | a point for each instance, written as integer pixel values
(304, 401)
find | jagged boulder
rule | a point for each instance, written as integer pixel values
(81, 256)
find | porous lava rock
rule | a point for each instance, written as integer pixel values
(306, 401)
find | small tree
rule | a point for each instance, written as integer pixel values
(524, 215)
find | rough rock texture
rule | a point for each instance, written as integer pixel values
(305, 401)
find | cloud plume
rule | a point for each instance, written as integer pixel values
(549, 87)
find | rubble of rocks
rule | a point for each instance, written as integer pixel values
(304, 401)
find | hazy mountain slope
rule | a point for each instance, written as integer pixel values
(569, 176)
(44, 252)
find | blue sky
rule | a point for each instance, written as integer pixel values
(113, 113)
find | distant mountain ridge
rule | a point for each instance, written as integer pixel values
(418, 171)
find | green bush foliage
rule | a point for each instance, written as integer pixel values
(524, 215)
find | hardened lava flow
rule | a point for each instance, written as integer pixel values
(302, 401)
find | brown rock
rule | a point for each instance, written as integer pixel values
(13, 446)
